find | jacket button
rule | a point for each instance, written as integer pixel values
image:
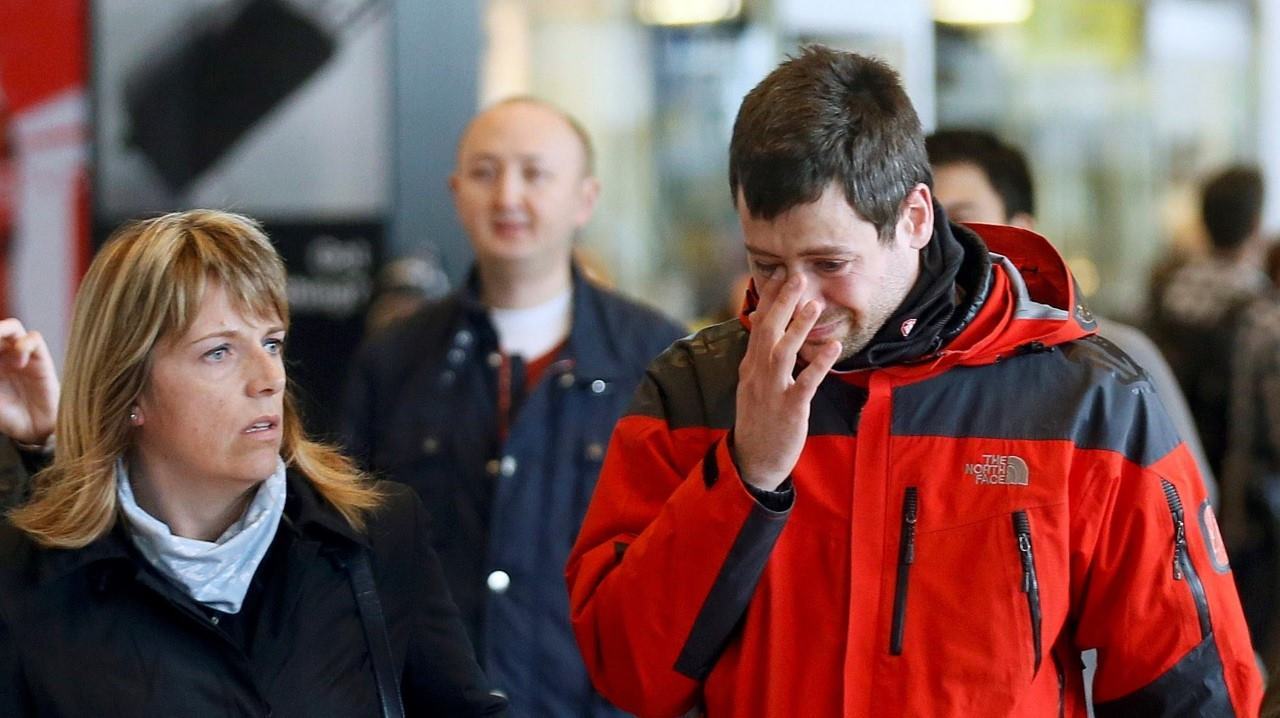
(447, 377)
(430, 445)
(213, 619)
(491, 467)
(507, 466)
(598, 386)
(456, 355)
(595, 451)
(462, 338)
(494, 359)
(566, 380)
(499, 581)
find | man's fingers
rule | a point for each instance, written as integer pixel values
(806, 317)
(807, 381)
(773, 321)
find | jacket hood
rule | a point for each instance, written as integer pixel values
(1031, 302)
(1034, 302)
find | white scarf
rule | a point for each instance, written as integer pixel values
(215, 573)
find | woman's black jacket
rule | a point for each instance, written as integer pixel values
(98, 632)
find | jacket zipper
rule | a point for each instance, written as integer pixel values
(906, 557)
(1062, 686)
(1182, 566)
(1030, 583)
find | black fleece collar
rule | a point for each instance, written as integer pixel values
(955, 273)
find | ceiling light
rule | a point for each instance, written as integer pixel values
(687, 12)
(981, 12)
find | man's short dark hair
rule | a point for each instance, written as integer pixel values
(828, 116)
(1004, 165)
(1231, 204)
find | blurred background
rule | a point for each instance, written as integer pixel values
(335, 122)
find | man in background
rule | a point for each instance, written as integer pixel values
(496, 403)
(1197, 315)
(979, 178)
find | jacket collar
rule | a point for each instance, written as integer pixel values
(305, 513)
(310, 516)
(590, 345)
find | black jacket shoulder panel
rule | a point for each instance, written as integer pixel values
(694, 382)
(1087, 391)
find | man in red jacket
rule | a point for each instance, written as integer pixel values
(908, 480)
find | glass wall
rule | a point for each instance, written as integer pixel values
(1123, 107)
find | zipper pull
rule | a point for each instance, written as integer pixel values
(910, 519)
(1024, 548)
(1179, 544)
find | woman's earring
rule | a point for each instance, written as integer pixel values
(134, 418)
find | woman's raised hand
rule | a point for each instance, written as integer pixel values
(28, 385)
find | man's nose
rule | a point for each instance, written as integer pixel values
(506, 193)
(811, 289)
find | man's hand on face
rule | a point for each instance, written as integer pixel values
(28, 385)
(773, 405)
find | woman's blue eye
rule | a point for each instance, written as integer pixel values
(217, 354)
(275, 346)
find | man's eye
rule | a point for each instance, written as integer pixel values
(831, 266)
(765, 269)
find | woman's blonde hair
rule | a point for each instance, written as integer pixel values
(144, 287)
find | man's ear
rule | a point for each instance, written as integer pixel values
(588, 193)
(915, 221)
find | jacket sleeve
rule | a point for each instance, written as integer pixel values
(1153, 592)
(441, 675)
(667, 561)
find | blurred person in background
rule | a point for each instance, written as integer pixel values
(1271, 265)
(496, 402)
(909, 481)
(1195, 319)
(189, 552)
(977, 177)
(1251, 469)
(403, 287)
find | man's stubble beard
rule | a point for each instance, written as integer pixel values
(863, 328)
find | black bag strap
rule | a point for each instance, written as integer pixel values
(375, 632)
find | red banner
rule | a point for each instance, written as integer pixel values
(44, 240)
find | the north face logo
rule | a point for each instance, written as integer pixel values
(999, 469)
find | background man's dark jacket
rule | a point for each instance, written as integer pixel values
(421, 409)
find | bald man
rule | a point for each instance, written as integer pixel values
(497, 402)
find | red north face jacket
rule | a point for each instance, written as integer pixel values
(960, 529)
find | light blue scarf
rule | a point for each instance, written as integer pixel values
(215, 573)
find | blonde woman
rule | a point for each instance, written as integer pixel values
(189, 552)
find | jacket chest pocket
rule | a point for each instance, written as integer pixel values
(966, 602)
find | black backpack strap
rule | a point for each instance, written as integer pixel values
(375, 632)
